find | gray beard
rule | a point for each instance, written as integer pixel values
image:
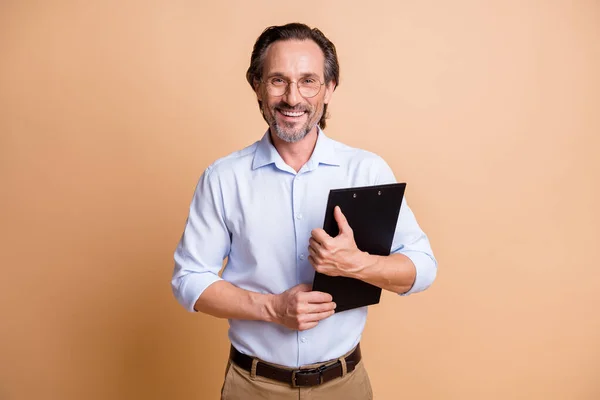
(286, 137)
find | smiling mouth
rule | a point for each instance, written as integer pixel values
(292, 114)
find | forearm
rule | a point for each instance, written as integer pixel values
(224, 300)
(395, 272)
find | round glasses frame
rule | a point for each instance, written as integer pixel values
(278, 91)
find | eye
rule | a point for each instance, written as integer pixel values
(309, 81)
(277, 82)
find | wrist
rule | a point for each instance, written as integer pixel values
(268, 308)
(365, 262)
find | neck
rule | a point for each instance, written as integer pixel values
(296, 154)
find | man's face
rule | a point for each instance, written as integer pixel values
(291, 116)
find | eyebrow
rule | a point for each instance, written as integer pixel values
(308, 74)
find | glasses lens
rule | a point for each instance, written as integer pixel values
(307, 87)
(309, 91)
(276, 86)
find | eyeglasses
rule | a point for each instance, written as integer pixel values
(308, 87)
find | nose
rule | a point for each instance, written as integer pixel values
(292, 96)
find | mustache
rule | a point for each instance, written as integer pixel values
(283, 106)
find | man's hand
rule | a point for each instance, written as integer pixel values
(299, 308)
(336, 256)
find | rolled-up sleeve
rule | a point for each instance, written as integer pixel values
(204, 244)
(410, 240)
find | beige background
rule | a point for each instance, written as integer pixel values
(111, 110)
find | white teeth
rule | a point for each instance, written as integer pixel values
(292, 114)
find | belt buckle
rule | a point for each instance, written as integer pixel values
(294, 372)
(308, 371)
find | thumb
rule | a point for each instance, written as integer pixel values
(303, 287)
(341, 220)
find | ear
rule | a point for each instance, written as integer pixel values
(329, 89)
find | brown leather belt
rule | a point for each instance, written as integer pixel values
(298, 377)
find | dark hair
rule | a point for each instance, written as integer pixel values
(293, 31)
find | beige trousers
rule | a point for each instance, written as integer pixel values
(239, 385)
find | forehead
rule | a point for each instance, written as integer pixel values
(294, 58)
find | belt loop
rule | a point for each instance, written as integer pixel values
(344, 367)
(253, 369)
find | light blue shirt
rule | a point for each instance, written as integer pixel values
(253, 208)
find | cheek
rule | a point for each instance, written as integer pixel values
(270, 102)
(315, 105)
(268, 106)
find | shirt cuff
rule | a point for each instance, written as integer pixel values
(192, 287)
(426, 271)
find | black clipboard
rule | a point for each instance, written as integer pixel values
(372, 213)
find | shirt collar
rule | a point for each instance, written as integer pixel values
(324, 153)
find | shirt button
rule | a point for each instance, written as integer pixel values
(299, 216)
(303, 340)
(301, 257)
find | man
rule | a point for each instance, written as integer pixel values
(262, 207)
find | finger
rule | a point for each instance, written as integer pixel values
(312, 242)
(303, 287)
(316, 297)
(320, 236)
(316, 308)
(304, 311)
(315, 317)
(313, 253)
(341, 220)
(307, 326)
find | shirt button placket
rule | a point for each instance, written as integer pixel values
(298, 221)
(298, 216)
